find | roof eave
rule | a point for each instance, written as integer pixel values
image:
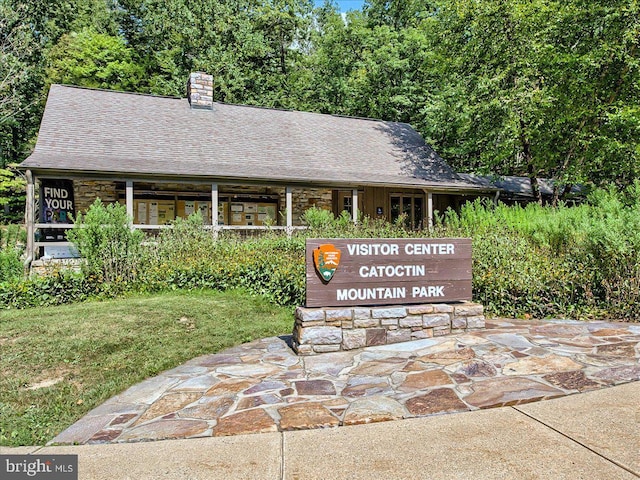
(146, 176)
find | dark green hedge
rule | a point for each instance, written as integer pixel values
(581, 262)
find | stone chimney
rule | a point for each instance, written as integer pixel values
(200, 90)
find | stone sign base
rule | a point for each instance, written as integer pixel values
(320, 330)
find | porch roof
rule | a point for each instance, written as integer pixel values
(97, 132)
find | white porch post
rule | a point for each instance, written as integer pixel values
(214, 209)
(129, 200)
(214, 204)
(289, 200)
(430, 210)
(354, 205)
(29, 220)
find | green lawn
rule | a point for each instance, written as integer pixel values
(95, 350)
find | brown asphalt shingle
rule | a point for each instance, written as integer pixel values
(97, 131)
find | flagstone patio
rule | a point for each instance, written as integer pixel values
(263, 386)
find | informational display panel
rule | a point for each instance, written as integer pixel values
(349, 272)
(56, 206)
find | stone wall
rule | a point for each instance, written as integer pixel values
(305, 198)
(55, 266)
(319, 330)
(302, 199)
(86, 192)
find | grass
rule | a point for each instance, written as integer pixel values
(94, 350)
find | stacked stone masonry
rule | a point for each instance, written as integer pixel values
(87, 191)
(320, 330)
(200, 90)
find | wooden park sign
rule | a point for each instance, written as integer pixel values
(348, 272)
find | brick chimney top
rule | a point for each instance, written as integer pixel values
(200, 90)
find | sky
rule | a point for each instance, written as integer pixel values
(345, 5)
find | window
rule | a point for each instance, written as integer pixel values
(343, 201)
(411, 207)
(347, 204)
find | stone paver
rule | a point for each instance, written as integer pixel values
(303, 416)
(263, 386)
(247, 421)
(373, 409)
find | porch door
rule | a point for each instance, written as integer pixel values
(411, 206)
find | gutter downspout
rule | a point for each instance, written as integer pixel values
(30, 221)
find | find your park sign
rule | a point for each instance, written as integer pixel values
(389, 271)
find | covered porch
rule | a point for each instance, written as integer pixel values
(153, 203)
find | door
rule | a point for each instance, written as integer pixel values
(410, 207)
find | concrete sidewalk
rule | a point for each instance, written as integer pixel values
(594, 435)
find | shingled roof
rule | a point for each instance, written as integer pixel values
(98, 132)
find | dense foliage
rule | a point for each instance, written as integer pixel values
(111, 249)
(544, 88)
(578, 261)
(533, 261)
(11, 247)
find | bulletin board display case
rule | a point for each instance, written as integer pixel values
(253, 213)
(237, 212)
(152, 212)
(267, 213)
(187, 207)
(160, 212)
(184, 208)
(223, 213)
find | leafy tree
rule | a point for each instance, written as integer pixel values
(12, 195)
(250, 47)
(365, 70)
(27, 31)
(398, 14)
(93, 59)
(599, 85)
(537, 88)
(17, 73)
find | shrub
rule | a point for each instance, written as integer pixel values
(58, 289)
(515, 277)
(189, 257)
(527, 261)
(581, 261)
(322, 224)
(104, 238)
(11, 249)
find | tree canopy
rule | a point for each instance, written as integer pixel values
(540, 88)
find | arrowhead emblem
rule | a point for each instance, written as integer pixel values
(326, 258)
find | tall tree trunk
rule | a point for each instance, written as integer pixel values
(559, 193)
(528, 158)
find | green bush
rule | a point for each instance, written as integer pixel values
(189, 257)
(104, 238)
(57, 289)
(582, 261)
(322, 224)
(512, 276)
(10, 264)
(12, 240)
